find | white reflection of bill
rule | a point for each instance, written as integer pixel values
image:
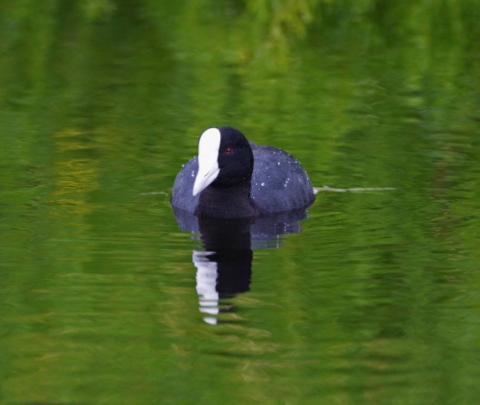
(207, 274)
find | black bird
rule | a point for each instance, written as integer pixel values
(234, 178)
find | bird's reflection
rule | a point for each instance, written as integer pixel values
(224, 269)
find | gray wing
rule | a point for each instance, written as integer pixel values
(182, 197)
(279, 183)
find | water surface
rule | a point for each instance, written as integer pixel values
(375, 300)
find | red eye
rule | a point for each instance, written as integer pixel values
(228, 149)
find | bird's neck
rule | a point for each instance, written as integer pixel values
(227, 202)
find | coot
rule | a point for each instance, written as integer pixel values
(234, 178)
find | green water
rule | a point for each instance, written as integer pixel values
(376, 301)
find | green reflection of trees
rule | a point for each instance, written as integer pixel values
(266, 29)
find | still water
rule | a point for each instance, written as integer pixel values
(374, 298)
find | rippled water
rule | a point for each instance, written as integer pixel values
(373, 298)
